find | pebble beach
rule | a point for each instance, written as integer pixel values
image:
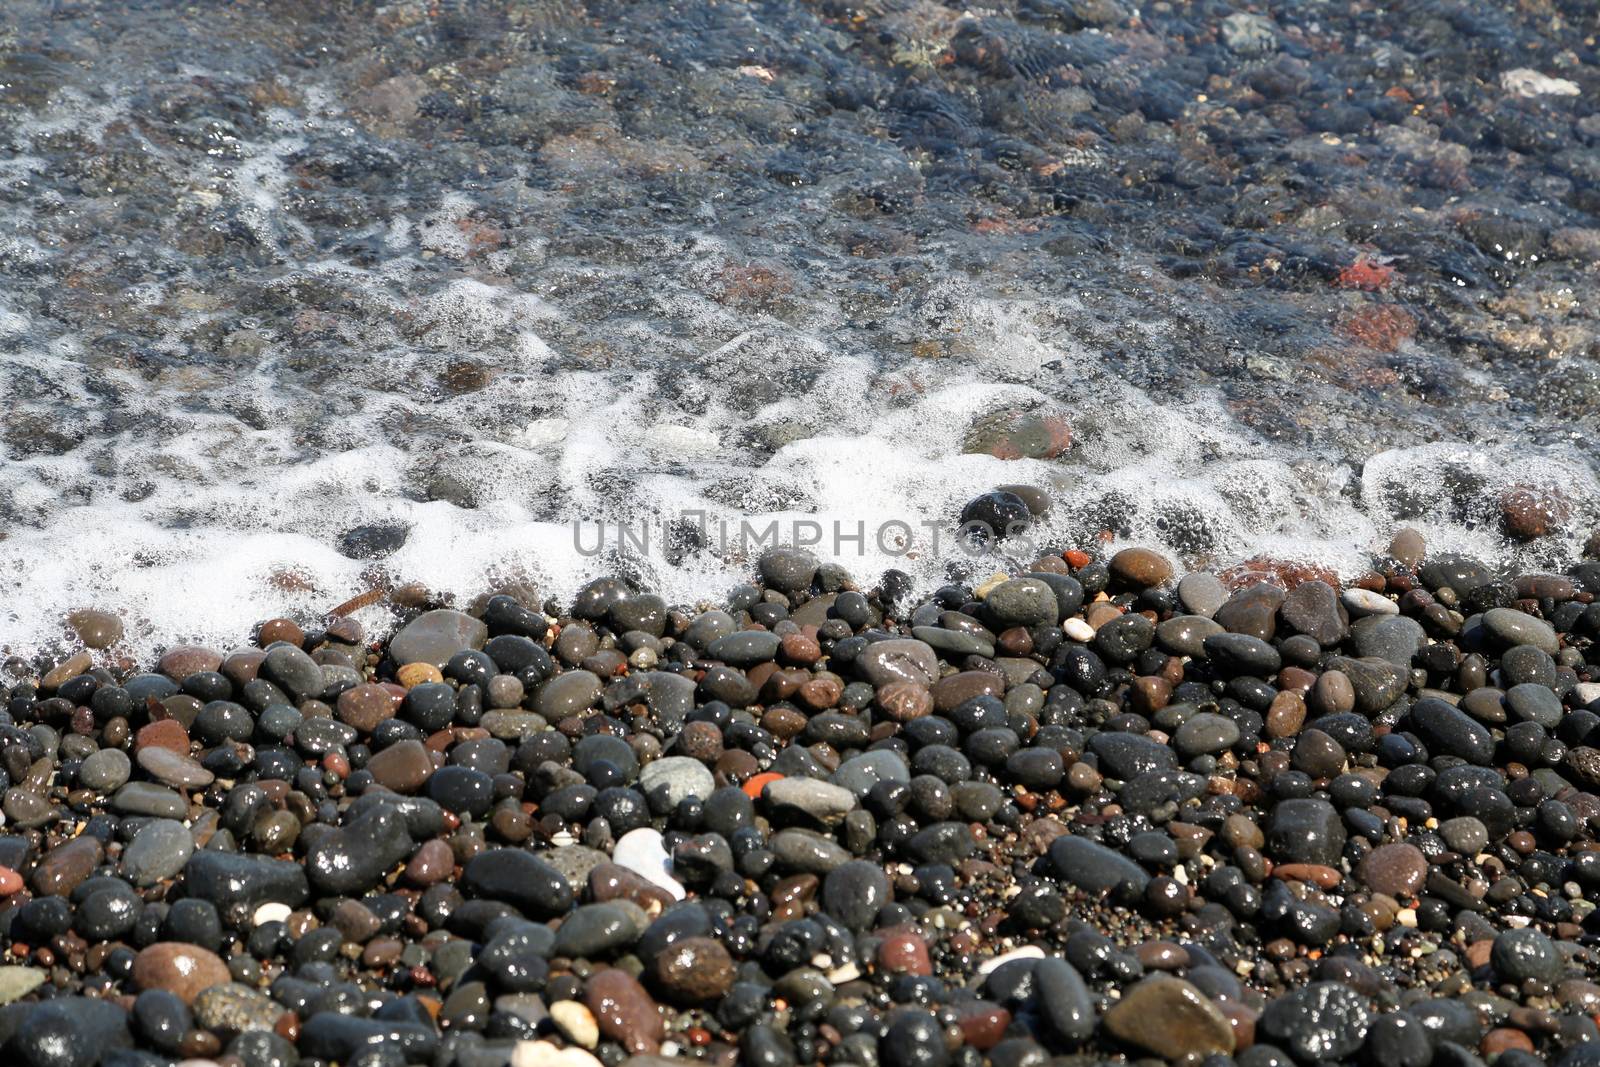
(572, 533)
(1097, 811)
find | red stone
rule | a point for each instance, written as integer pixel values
(903, 952)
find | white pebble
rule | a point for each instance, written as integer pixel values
(1078, 630)
(545, 1054)
(1526, 82)
(1586, 693)
(576, 1023)
(1026, 952)
(271, 913)
(642, 852)
(847, 973)
(1366, 602)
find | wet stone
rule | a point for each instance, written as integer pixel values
(681, 776)
(1127, 756)
(855, 892)
(1140, 567)
(1094, 867)
(105, 770)
(1394, 638)
(1021, 602)
(69, 1031)
(1306, 831)
(898, 660)
(1324, 1021)
(159, 851)
(1313, 608)
(1377, 683)
(435, 636)
(1170, 1018)
(595, 931)
(1450, 731)
(518, 878)
(1202, 593)
(1519, 955)
(1397, 870)
(402, 767)
(147, 798)
(172, 769)
(180, 969)
(1512, 627)
(694, 970)
(625, 1012)
(356, 857)
(228, 878)
(1205, 733)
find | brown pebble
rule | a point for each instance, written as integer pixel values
(904, 701)
(1315, 873)
(982, 1025)
(274, 630)
(96, 629)
(1396, 869)
(1140, 567)
(904, 952)
(800, 648)
(366, 706)
(951, 692)
(625, 1012)
(701, 741)
(64, 868)
(1503, 1039)
(1286, 714)
(1333, 694)
(412, 675)
(180, 662)
(820, 693)
(694, 970)
(65, 671)
(179, 968)
(1170, 1018)
(430, 864)
(1161, 955)
(608, 881)
(402, 767)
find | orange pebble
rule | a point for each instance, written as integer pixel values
(10, 881)
(757, 783)
(1077, 558)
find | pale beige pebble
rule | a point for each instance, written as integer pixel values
(1078, 630)
(1026, 952)
(990, 584)
(1366, 602)
(576, 1022)
(545, 1054)
(271, 912)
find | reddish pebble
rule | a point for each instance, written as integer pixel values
(166, 733)
(181, 969)
(432, 863)
(982, 1025)
(625, 1012)
(1503, 1039)
(10, 881)
(800, 648)
(903, 952)
(1318, 875)
(757, 783)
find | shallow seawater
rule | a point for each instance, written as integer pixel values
(297, 302)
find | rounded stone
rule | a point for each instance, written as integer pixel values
(180, 969)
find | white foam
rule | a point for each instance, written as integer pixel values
(689, 382)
